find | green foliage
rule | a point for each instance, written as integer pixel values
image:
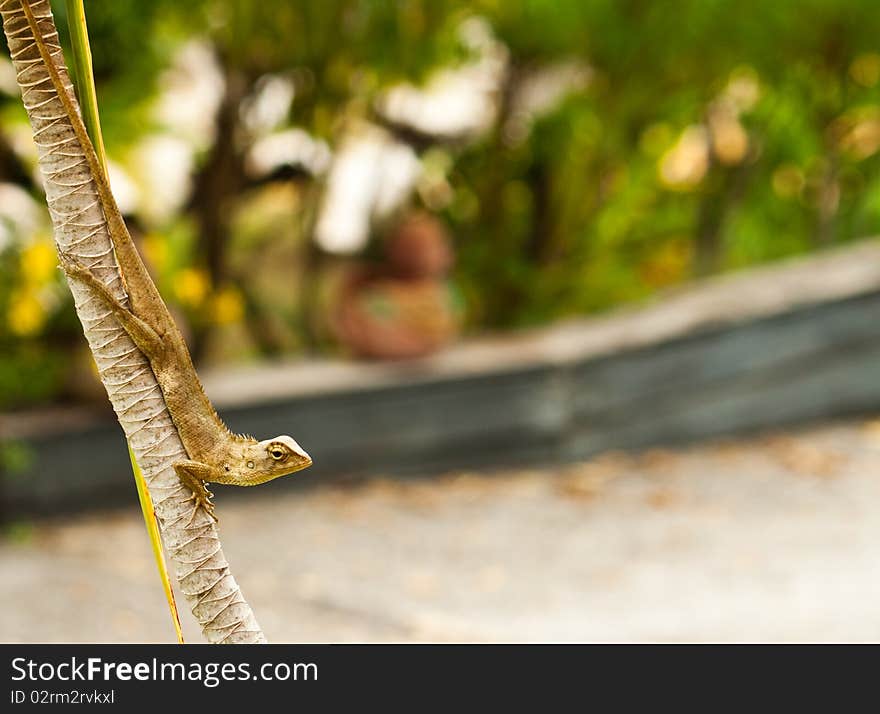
(710, 135)
(611, 228)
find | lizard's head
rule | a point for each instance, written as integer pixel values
(269, 459)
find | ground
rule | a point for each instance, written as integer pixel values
(769, 538)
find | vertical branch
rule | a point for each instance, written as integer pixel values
(88, 101)
(81, 230)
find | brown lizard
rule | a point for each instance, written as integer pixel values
(215, 453)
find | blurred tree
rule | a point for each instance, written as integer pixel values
(633, 145)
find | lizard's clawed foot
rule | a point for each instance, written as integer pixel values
(73, 267)
(191, 474)
(202, 498)
(75, 270)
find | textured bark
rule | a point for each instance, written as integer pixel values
(81, 230)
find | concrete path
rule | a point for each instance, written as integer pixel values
(773, 538)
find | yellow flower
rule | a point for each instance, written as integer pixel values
(38, 262)
(191, 286)
(227, 306)
(155, 249)
(26, 315)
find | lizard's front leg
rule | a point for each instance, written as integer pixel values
(194, 475)
(143, 335)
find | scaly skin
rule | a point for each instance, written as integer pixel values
(215, 453)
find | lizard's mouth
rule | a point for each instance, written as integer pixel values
(304, 462)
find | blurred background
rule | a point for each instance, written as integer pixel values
(572, 301)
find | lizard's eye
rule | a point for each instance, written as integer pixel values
(277, 452)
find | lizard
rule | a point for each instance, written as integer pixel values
(216, 454)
